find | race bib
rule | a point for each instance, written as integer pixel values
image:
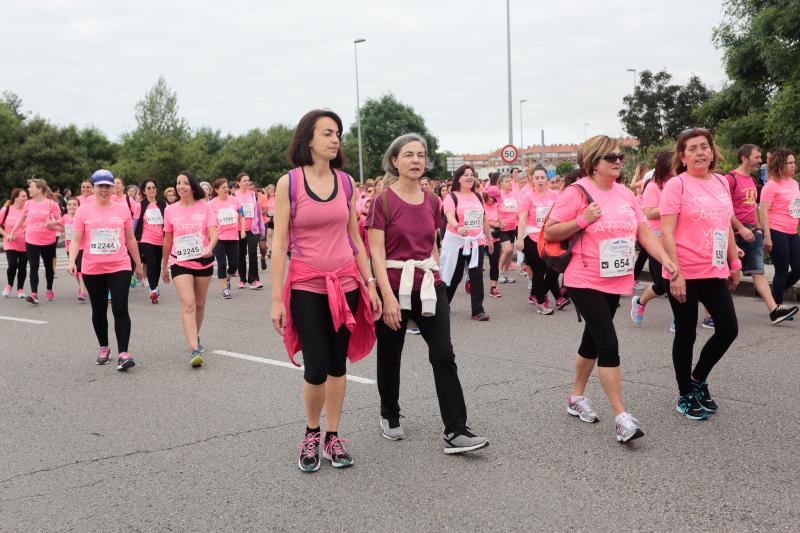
(510, 204)
(103, 241)
(226, 217)
(188, 247)
(249, 210)
(153, 217)
(720, 244)
(67, 232)
(541, 214)
(473, 219)
(794, 208)
(616, 257)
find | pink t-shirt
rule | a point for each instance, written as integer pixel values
(86, 199)
(152, 223)
(66, 221)
(319, 231)
(268, 212)
(604, 255)
(508, 208)
(14, 214)
(703, 208)
(227, 214)
(189, 228)
(103, 241)
(651, 198)
(744, 195)
(248, 201)
(536, 206)
(784, 199)
(37, 215)
(410, 233)
(492, 216)
(469, 214)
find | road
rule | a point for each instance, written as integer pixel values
(165, 447)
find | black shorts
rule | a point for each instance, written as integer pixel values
(177, 270)
(508, 236)
(79, 260)
(271, 224)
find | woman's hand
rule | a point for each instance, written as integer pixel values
(592, 212)
(278, 316)
(670, 267)
(462, 231)
(72, 269)
(375, 302)
(519, 245)
(767, 243)
(391, 312)
(207, 251)
(733, 279)
(165, 274)
(490, 245)
(677, 288)
(138, 271)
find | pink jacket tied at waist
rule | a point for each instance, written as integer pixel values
(361, 326)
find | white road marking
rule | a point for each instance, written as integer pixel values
(26, 320)
(285, 364)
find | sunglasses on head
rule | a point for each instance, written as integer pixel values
(613, 158)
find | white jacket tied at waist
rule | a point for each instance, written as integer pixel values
(427, 291)
(451, 244)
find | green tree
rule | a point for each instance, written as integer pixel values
(262, 154)
(52, 153)
(564, 168)
(12, 135)
(760, 40)
(659, 110)
(157, 113)
(382, 120)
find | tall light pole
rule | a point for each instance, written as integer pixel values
(634, 78)
(358, 115)
(508, 53)
(585, 130)
(521, 144)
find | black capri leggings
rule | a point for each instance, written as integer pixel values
(640, 261)
(17, 267)
(47, 253)
(99, 286)
(659, 285)
(227, 252)
(151, 256)
(599, 336)
(494, 262)
(324, 350)
(544, 278)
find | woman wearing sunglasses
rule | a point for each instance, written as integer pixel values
(600, 270)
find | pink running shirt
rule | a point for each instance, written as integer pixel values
(227, 214)
(651, 197)
(743, 195)
(536, 206)
(604, 255)
(469, 209)
(784, 199)
(189, 228)
(66, 221)
(37, 215)
(704, 211)
(152, 224)
(508, 208)
(14, 214)
(103, 242)
(248, 201)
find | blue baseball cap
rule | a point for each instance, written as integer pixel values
(102, 177)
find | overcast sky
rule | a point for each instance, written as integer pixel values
(239, 64)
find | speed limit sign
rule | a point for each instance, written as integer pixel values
(509, 153)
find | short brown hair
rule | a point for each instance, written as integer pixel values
(460, 171)
(300, 147)
(778, 162)
(746, 150)
(680, 147)
(590, 152)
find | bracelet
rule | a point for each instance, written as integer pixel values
(582, 222)
(736, 265)
(371, 279)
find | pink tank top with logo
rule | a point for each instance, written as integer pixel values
(320, 233)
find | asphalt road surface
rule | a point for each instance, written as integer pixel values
(165, 447)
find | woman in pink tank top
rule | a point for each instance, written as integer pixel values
(323, 307)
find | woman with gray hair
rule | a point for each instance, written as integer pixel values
(402, 239)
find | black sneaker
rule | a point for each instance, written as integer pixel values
(263, 264)
(704, 397)
(335, 453)
(690, 407)
(309, 452)
(125, 361)
(781, 313)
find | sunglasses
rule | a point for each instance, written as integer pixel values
(613, 158)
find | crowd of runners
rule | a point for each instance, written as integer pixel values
(360, 266)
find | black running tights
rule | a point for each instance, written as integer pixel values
(151, 257)
(98, 286)
(47, 253)
(17, 267)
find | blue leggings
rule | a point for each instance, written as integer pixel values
(785, 253)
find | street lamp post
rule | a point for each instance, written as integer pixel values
(634, 78)
(585, 130)
(521, 144)
(508, 53)
(358, 116)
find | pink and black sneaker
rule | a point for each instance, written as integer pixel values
(125, 361)
(102, 357)
(33, 298)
